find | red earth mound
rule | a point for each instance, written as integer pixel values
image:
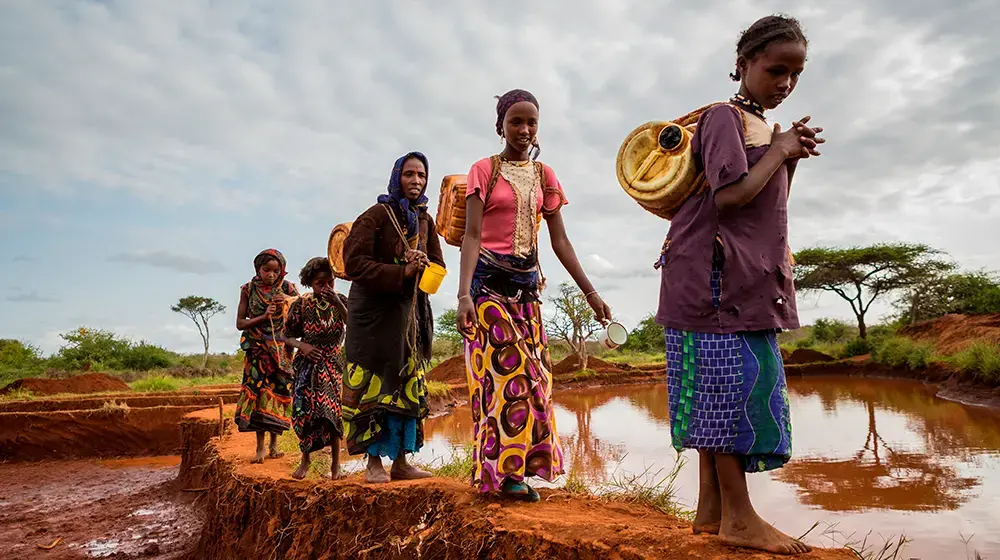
(952, 333)
(449, 371)
(808, 356)
(571, 364)
(78, 384)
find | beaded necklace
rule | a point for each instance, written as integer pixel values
(751, 106)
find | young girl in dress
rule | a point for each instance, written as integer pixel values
(727, 290)
(499, 306)
(314, 326)
(265, 399)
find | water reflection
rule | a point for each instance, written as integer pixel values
(868, 454)
(878, 476)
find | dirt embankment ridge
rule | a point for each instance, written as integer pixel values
(77, 384)
(257, 510)
(953, 333)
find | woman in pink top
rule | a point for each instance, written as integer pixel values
(506, 351)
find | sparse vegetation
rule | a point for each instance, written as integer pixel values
(155, 384)
(459, 464)
(981, 359)
(866, 547)
(655, 489)
(437, 389)
(114, 405)
(900, 352)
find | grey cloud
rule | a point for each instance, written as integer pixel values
(238, 108)
(23, 259)
(171, 261)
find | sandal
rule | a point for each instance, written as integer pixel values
(519, 491)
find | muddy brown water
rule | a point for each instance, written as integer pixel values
(877, 455)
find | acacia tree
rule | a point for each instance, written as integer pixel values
(860, 275)
(199, 310)
(574, 320)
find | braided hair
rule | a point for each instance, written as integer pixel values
(765, 32)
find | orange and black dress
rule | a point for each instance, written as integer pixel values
(316, 403)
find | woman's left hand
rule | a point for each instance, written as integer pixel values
(602, 312)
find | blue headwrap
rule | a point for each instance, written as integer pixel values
(410, 209)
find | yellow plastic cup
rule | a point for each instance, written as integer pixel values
(432, 277)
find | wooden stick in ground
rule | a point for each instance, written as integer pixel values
(221, 422)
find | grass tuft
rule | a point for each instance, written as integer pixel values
(438, 389)
(981, 359)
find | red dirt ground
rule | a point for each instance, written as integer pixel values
(252, 507)
(808, 356)
(85, 383)
(450, 371)
(112, 509)
(952, 333)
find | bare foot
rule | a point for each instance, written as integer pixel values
(275, 454)
(709, 517)
(408, 472)
(302, 471)
(375, 474)
(754, 532)
(258, 458)
(707, 528)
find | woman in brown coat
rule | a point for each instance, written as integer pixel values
(390, 324)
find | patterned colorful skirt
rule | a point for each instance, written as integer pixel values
(383, 418)
(727, 395)
(316, 413)
(265, 400)
(510, 386)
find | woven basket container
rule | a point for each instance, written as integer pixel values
(335, 249)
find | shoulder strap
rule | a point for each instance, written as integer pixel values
(494, 174)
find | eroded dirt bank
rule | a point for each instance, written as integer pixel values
(111, 432)
(258, 511)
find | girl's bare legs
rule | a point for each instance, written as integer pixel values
(275, 453)
(740, 525)
(401, 470)
(709, 515)
(261, 451)
(335, 472)
(375, 472)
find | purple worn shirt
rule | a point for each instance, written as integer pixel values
(758, 292)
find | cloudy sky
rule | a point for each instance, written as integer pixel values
(148, 150)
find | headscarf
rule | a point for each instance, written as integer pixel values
(410, 209)
(507, 100)
(260, 260)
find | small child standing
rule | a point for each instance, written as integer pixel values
(727, 290)
(314, 326)
(265, 397)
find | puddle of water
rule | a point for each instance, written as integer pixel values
(868, 455)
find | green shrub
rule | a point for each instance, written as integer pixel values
(981, 359)
(15, 354)
(857, 347)
(144, 357)
(98, 349)
(807, 342)
(647, 338)
(156, 384)
(830, 330)
(902, 352)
